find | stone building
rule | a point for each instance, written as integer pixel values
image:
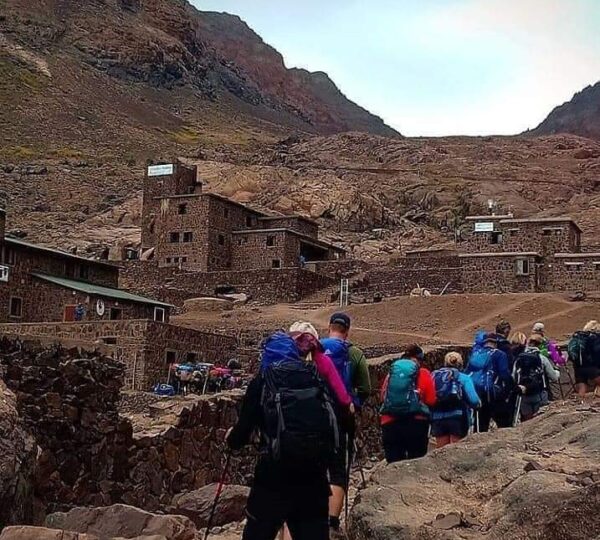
(187, 228)
(42, 284)
(57, 297)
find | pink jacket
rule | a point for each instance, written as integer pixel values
(330, 375)
(325, 367)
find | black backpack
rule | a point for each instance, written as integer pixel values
(300, 426)
(529, 370)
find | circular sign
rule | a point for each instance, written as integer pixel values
(100, 307)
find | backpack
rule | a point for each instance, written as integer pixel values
(277, 347)
(339, 352)
(164, 390)
(481, 370)
(401, 397)
(555, 355)
(300, 425)
(584, 349)
(448, 390)
(529, 370)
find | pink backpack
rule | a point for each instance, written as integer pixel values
(555, 356)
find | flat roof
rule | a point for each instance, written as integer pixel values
(576, 255)
(307, 239)
(431, 250)
(98, 290)
(477, 218)
(26, 245)
(291, 216)
(562, 219)
(232, 202)
(500, 254)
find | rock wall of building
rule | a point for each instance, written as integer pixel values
(401, 277)
(497, 275)
(572, 274)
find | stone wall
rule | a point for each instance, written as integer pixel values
(264, 249)
(69, 402)
(543, 237)
(572, 273)
(299, 224)
(497, 274)
(401, 277)
(141, 345)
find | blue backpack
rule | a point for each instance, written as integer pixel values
(164, 390)
(448, 390)
(481, 370)
(401, 397)
(339, 352)
(278, 347)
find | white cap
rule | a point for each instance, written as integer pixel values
(539, 327)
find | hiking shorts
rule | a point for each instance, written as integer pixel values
(338, 467)
(585, 374)
(455, 426)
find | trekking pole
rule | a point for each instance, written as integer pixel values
(360, 468)
(517, 411)
(217, 495)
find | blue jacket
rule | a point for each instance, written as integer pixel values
(470, 399)
(502, 369)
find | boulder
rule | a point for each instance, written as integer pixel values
(17, 461)
(41, 533)
(197, 505)
(511, 483)
(207, 304)
(122, 521)
(238, 299)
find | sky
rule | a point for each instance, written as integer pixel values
(438, 67)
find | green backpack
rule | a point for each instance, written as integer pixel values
(577, 349)
(401, 397)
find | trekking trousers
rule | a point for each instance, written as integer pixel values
(306, 514)
(405, 438)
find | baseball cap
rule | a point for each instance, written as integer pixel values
(538, 327)
(341, 319)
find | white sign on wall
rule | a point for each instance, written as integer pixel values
(484, 227)
(4, 270)
(100, 307)
(160, 170)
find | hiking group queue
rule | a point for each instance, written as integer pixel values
(304, 400)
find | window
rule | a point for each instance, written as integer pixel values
(191, 358)
(242, 241)
(84, 272)
(249, 221)
(4, 272)
(221, 240)
(10, 256)
(547, 232)
(182, 209)
(174, 237)
(270, 241)
(109, 340)
(116, 314)
(496, 238)
(169, 260)
(276, 263)
(574, 267)
(16, 307)
(522, 267)
(170, 357)
(188, 236)
(159, 314)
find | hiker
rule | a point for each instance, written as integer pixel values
(584, 352)
(455, 397)
(489, 369)
(408, 392)
(307, 340)
(503, 329)
(532, 373)
(518, 344)
(290, 479)
(351, 364)
(548, 347)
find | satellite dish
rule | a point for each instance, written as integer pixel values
(100, 307)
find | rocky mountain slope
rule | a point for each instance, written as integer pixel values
(82, 111)
(580, 116)
(539, 481)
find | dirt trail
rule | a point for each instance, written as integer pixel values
(447, 319)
